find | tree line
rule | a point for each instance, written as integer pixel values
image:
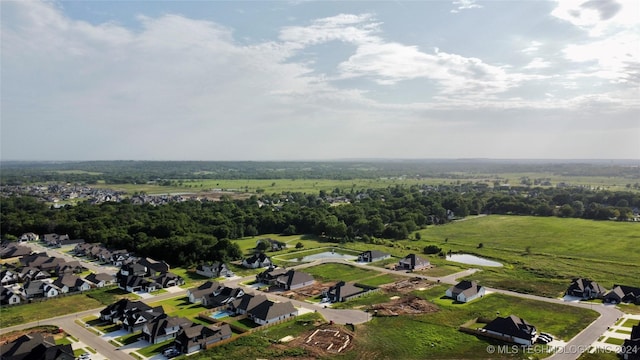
(189, 232)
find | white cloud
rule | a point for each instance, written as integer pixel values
(533, 47)
(464, 5)
(538, 63)
(599, 16)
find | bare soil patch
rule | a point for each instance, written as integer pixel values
(325, 339)
(407, 305)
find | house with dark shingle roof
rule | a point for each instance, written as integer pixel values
(9, 277)
(585, 289)
(256, 261)
(197, 337)
(222, 296)
(168, 279)
(246, 303)
(100, 279)
(630, 349)
(215, 270)
(134, 320)
(71, 283)
(268, 312)
(35, 346)
(413, 262)
(197, 294)
(372, 255)
(623, 293)
(513, 329)
(30, 273)
(14, 250)
(8, 297)
(163, 328)
(38, 289)
(343, 291)
(465, 291)
(116, 311)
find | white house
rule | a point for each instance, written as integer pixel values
(465, 291)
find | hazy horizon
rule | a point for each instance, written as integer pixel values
(316, 81)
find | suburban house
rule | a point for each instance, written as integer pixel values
(55, 239)
(163, 328)
(222, 296)
(292, 280)
(630, 349)
(30, 273)
(8, 297)
(273, 245)
(197, 337)
(585, 289)
(465, 291)
(623, 293)
(153, 267)
(133, 321)
(197, 294)
(215, 270)
(116, 311)
(68, 267)
(269, 312)
(413, 262)
(29, 237)
(168, 279)
(245, 303)
(132, 269)
(132, 283)
(39, 289)
(344, 291)
(100, 279)
(270, 275)
(256, 261)
(373, 255)
(35, 346)
(14, 250)
(9, 277)
(71, 283)
(513, 329)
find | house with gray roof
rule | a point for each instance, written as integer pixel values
(222, 296)
(512, 329)
(413, 262)
(246, 303)
(163, 328)
(586, 289)
(343, 291)
(8, 297)
(196, 294)
(214, 270)
(100, 279)
(623, 293)
(465, 291)
(71, 283)
(268, 312)
(198, 337)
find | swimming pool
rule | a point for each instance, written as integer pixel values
(220, 314)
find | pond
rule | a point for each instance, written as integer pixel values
(325, 255)
(472, 260)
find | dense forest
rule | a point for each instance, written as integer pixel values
(140, 172)
(194, 231)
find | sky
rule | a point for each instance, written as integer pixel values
(319, 80)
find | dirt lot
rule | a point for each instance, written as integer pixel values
(45, 330)
(325, 339)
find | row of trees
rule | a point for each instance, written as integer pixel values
(193, 231)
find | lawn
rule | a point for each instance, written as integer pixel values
(630, 323)
(337, 272)
(155, 349)
(381, 280)
(180, 306)
(111, 294)
(436, 335)
(259, 345)
(542, 254)
(21, 314)
(129, 338)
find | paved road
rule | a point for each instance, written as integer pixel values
(573, 349)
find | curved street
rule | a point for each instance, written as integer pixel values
(571, 351)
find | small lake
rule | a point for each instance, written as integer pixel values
(325, 255)
(472, 260)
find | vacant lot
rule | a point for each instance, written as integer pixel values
(541, 255)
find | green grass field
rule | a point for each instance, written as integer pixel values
(180, 306)
(21, 314)
(436, 335)
(337, 272)
(541, 255)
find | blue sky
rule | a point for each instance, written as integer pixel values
(319, 80)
